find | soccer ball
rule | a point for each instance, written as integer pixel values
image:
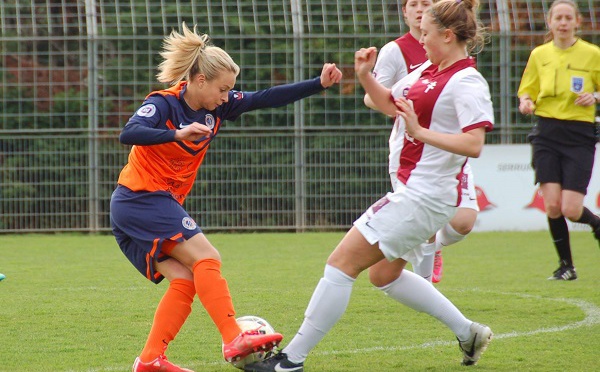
(249, 323)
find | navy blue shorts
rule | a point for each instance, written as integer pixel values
(143, 221)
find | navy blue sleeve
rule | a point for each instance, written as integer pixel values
(277, 96)
(147, 125)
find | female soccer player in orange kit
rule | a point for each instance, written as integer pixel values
(170, 134)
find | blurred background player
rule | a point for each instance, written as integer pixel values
(446, 113)
(560, 85)
(397, 59)
(171, 133)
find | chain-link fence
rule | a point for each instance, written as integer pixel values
(72, 73)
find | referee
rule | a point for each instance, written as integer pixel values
(560, 85)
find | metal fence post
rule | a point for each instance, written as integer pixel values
(92, 85)
(299, 134)
(505, 75)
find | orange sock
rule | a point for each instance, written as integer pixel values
(172, 311)
(214, 294)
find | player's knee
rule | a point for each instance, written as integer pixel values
(464, 221)
(464, 227)
(553, 208)
(184, 273)
(382, 278)
(189, 253)
(173, 269)
(571, 212)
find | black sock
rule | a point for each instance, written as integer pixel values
(589, 218)
(560, 233)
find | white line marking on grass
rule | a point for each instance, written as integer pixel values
(97, 289)
(592, 317)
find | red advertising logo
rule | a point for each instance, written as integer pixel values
(482, 200)
(538, 201)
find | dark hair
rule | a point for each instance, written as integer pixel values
(460, 17)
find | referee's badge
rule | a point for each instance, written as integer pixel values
(576, 84)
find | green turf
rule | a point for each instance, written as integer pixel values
(74, 303)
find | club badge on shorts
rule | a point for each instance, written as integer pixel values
(576, 84)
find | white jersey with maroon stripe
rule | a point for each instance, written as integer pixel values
(395, 61)
(454, 100)
(390, 66)
(400, 89)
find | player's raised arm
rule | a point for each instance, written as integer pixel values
(364, 61)
(330, 75)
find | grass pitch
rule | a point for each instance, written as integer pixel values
(74, 303)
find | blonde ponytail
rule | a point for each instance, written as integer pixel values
(185, 55)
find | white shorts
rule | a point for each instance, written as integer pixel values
(468, 200)
(467, 186)
(402, 220)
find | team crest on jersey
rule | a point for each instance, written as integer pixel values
(188, 223)
(238, 95)
(146, 110)
(430, 84)
(576, 84)
(209, 121)
(405, 91)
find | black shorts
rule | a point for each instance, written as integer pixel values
(563, 153)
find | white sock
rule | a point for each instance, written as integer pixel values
(327, 305)
(417, 293)
(425, 267)
(447, 236)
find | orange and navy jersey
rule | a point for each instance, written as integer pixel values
(159, 163)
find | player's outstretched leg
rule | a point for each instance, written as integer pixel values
(213, 292)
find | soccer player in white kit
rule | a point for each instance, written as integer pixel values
(446, 112)
(396, 60)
